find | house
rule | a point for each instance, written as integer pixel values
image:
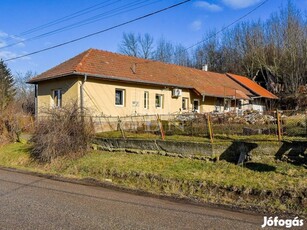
(261, 98)
(110, 84)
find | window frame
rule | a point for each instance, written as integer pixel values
(57, 95)
(146, 100)
(123, 91)
(185, 100)
(161, 101)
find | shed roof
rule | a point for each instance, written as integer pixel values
(252, 86)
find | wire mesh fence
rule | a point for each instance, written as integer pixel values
(277, 125)
(248, 123)
(294, 123)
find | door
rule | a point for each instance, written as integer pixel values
(196, 105)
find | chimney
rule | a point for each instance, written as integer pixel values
(133, 68)
(205, 67)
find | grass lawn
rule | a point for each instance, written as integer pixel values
(216, 182)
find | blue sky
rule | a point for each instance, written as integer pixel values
(185, 24)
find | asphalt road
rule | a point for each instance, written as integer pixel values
(31, 202)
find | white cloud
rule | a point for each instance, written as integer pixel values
(208, 6)
(7, 55)
(3, 35)
(196, 25)
(240, 4)
(2, 43)
(7, 39)
(4, 55)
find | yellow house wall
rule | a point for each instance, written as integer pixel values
(208, 105)
(69, 87)
(99, 99)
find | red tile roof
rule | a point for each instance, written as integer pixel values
(252, 86)
(103, 64)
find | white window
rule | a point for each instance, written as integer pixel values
(146, 100)
(57, 97)
(159, 101)
(185, 105)
(119, 97)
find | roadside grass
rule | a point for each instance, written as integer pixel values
(218, 182)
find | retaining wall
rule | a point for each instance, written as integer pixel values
(292, 151)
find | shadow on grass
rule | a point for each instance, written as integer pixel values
(259, 167)
(293, 152)
(233, 152)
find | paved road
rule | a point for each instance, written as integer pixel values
(31, 202)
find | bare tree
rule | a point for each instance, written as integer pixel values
(181, 56)
(25, 92)
(129, 45)
(164, 51)
(146, 46)
(208, 53)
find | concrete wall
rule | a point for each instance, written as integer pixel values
(294, 152)
(183, 148)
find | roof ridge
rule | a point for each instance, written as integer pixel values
(151, 60)
(63, 63)
(84, 57)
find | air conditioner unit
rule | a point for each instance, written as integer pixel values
(177, 92)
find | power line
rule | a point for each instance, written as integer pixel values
(101, 31)
(229, 25)
(86, 21)
(66, 18)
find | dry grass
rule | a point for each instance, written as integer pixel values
(281, 188)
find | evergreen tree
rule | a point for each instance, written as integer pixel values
(7, 90)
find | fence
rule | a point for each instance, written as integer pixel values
(211, 126)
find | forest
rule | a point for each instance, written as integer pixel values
(271, 52)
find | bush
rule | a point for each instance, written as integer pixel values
(62, 132)
(13, 121)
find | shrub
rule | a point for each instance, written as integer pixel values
(13, 121)
(62, 132)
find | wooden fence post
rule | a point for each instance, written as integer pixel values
(278, 126)
(119, 124)
(210, 128)
(160, 127)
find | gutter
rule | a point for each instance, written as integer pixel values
(82, 94)
(123, 79)
(111, 78)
